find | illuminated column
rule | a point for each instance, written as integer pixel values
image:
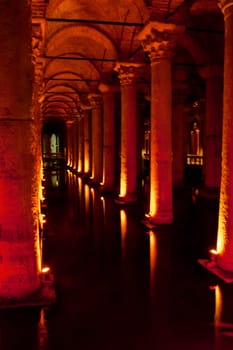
(213, 125)
(97, 138)
(157, 39)
(19, 188)
(87, 140)
(80, 143)
(179, 128)
(225, 223)
(109, 157)
(76, 144)
(128, 175)
(69, 129)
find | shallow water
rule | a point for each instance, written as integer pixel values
(120, 285)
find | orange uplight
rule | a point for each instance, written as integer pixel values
(38, 248)
(123, 186)
(220, 239)
(153, 200)
(103, 176)
(86, 166)
(214, 252)
(45, 269)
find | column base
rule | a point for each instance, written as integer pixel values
(213, 267)
(44, 296)
(151, 222)
(126, 200)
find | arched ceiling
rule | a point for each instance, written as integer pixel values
(83, 40)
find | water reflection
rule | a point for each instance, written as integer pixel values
(123, 225)
(42, 330)
(118, 286)
(153, 261)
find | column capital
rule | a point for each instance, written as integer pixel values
(69, 122)
(95, 99)
(225, 5)
(127, 71)
(106, 87)
(158, 39)
(85, 107)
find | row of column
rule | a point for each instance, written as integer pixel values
(19, 162)
(19, 187)
(166, 159)
(158, 41)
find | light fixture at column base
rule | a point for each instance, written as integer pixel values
(148, 223)
(151, 223)
(213, 267)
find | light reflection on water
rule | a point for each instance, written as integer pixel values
(123, 226)
(153, 261)
(42, 330)
(104, 307)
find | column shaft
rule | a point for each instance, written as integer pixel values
(128, 182)
(179, 136)
(81, 145)
(19, 204)
(213, 129)
(128, 167)
(161, 145)
(97, 139)
(109, 142)
(225, 224)
(87, 145)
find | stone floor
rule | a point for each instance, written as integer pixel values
(120, 285)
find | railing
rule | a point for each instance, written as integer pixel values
(193, 159)
(57, 155)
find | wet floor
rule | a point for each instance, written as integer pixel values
(120, 285)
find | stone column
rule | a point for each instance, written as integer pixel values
(157, 39)
(225, 221)
(179, 128)
(97, 138)
(76, 145)
(213, 125)
(109, 156)
(81, 143)
(19, 188)
(69, 142)
(128, 172)
(87, 141)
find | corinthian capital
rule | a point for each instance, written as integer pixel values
(158, 39)
(127, 71)
(95, 100)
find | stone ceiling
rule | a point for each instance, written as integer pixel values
(81, 41)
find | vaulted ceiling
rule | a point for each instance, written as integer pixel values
(79, 43)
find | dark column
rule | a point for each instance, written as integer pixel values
(19, 204)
